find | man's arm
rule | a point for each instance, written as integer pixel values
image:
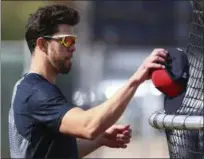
(117, 136)
(91, 123)
(85, 146)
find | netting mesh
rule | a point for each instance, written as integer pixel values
(185, 143)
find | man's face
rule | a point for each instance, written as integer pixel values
(60, 54)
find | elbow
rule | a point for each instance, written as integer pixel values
(92, 128)
(91, 133)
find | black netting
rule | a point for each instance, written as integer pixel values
(185, 143)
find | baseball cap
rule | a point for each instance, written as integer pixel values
(172, 81)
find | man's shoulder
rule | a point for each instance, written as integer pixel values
(36, 82)
(35, 86)
(34, 90)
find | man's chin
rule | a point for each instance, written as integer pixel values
(65, 70)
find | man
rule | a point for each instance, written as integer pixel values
(42, 124)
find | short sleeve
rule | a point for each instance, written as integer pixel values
(48, 106)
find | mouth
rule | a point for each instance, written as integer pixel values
(69, 57)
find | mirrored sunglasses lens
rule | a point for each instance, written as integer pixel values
(69, 40)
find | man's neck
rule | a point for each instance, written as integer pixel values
(43, 68)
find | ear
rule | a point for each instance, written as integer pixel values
(41, 43)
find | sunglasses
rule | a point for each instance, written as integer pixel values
(65, 40)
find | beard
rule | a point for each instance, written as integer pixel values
(63, 67)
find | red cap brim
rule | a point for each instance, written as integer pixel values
(163, 82)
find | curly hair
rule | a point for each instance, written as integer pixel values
(45, 21)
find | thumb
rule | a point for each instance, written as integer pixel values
(122, 127)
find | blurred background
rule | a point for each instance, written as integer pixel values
(114, 37)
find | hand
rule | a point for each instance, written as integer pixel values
(117, 136)
(153, 61)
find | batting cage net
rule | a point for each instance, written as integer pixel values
(188, 140)
(190, 143)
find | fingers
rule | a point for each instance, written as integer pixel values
(158, 55)
(155, 66)
(127, 132)
(120, 146)
(123, 146)
(123, 142)
(160, 52)
(117, 145)
(156, 59)
(119, 136)
(124, 137)
(121, 127)
(117, 129)
(124, 133)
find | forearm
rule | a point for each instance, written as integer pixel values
(85, 147)
(106, 114)
(91, 123)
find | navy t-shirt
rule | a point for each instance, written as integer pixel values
(37, 109)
